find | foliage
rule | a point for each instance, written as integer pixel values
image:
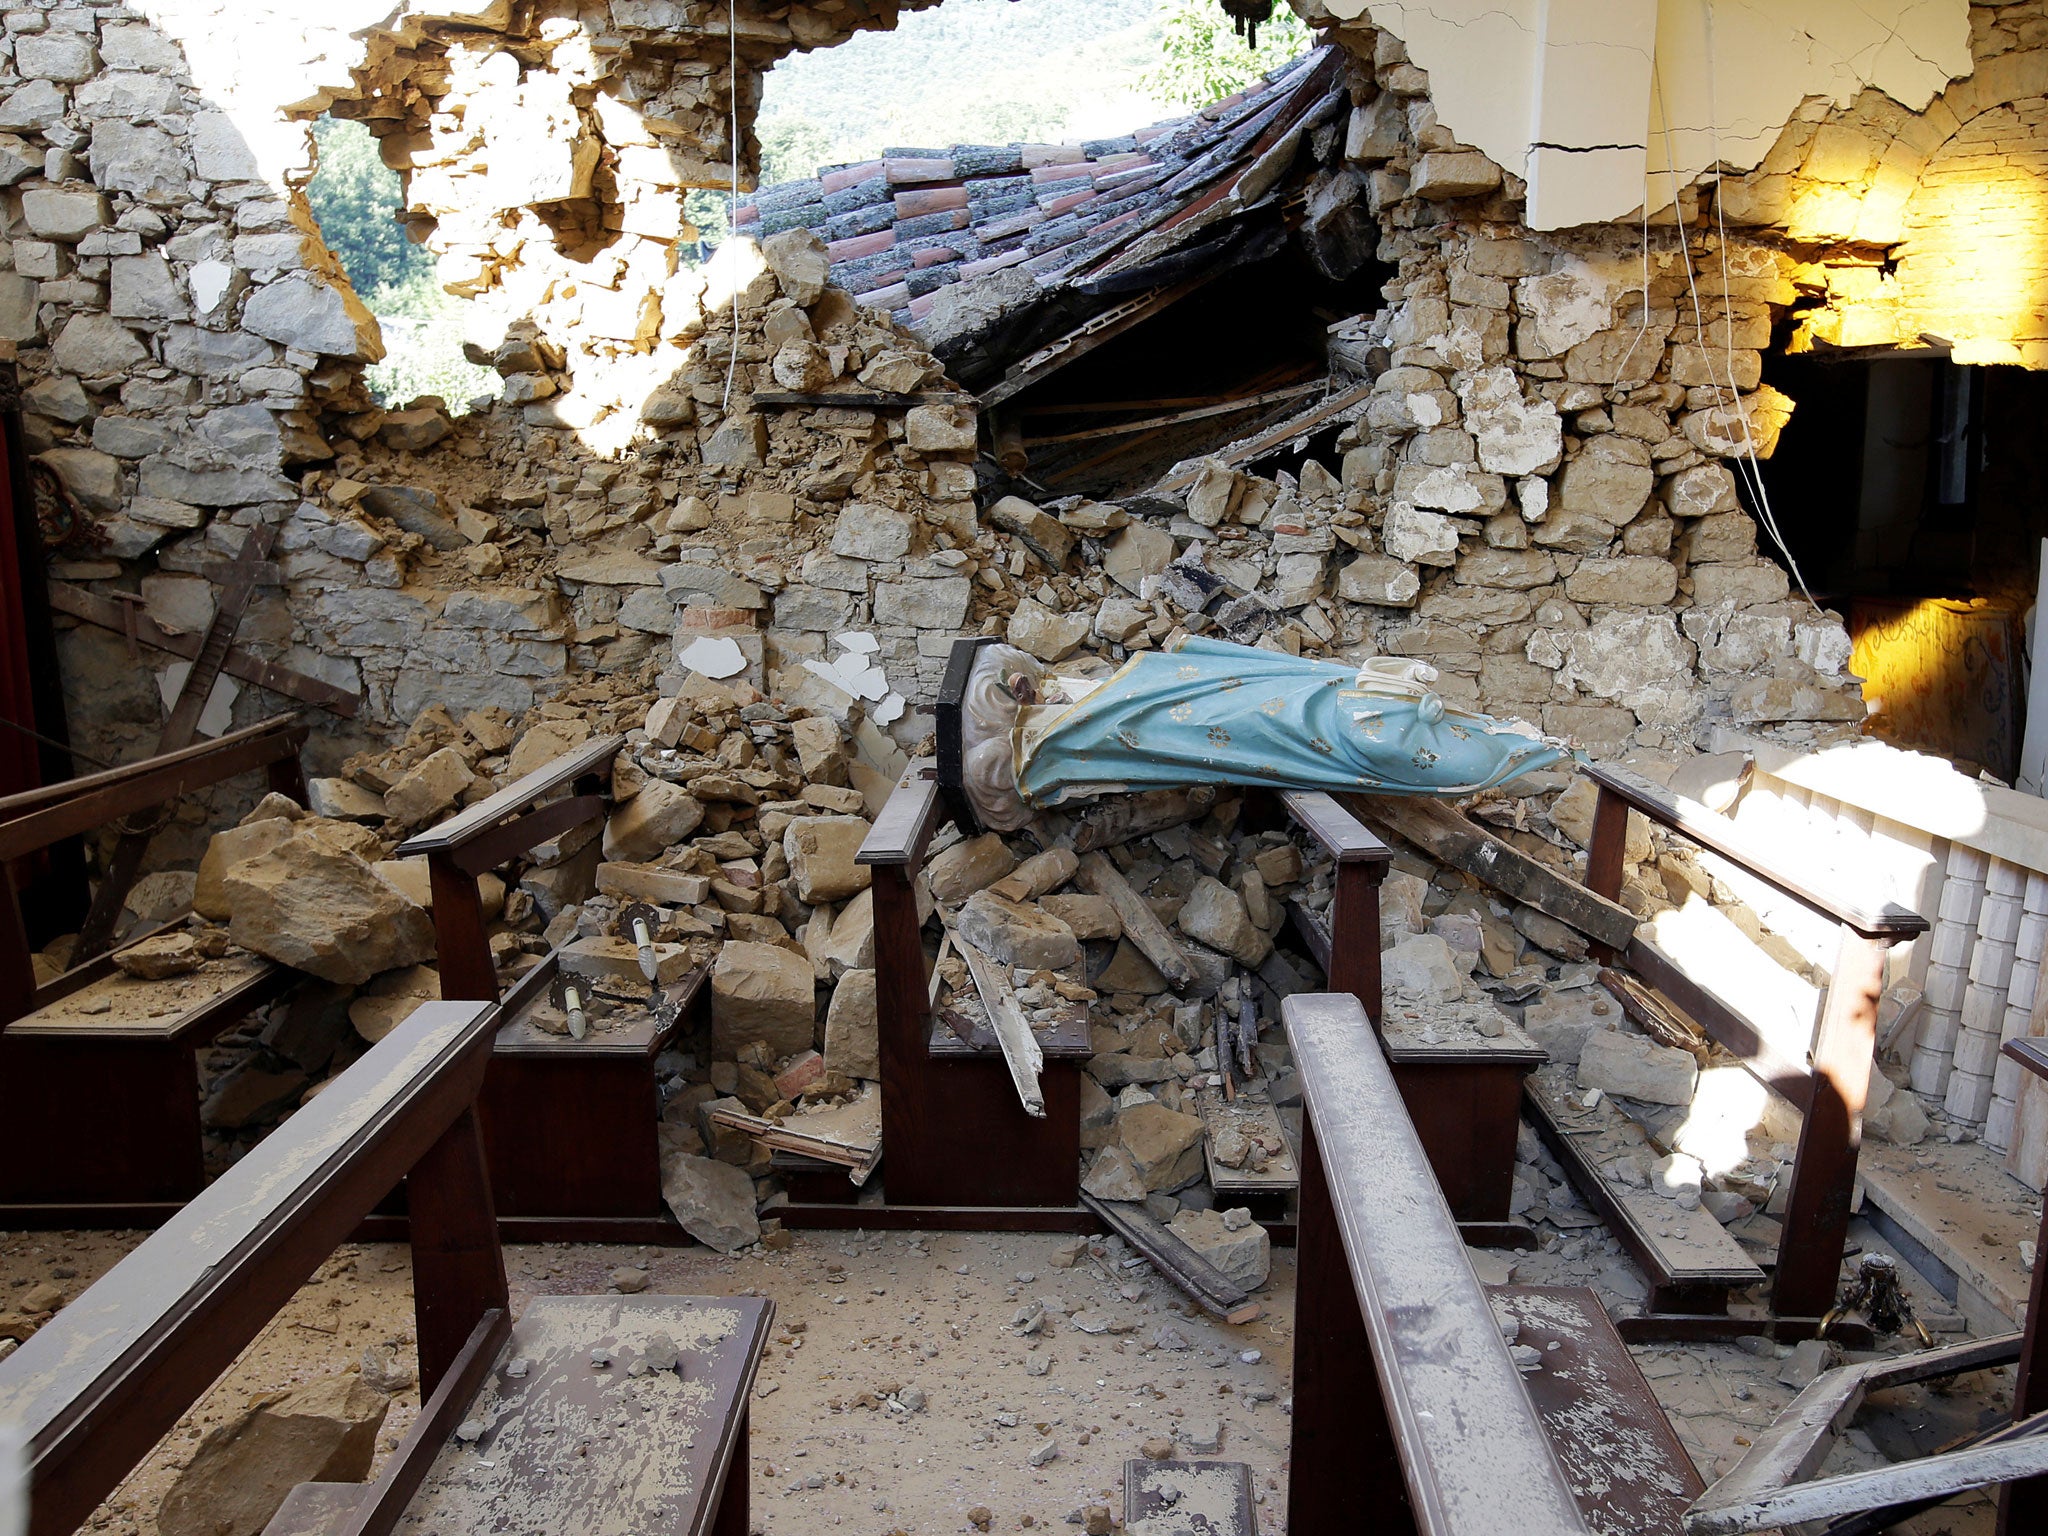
(356, 199)
(1203, 59)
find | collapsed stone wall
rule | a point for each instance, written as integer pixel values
(1539, 496)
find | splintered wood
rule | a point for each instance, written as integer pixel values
(1012, 1030)
(1141, 924)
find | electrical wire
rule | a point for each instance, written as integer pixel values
(1754, 480)
(732, 41)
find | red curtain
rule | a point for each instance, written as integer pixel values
(19, 768)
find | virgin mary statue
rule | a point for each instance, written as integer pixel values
(1214, 713)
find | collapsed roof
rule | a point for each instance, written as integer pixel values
(985, 250)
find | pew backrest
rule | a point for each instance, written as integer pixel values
(104, 1380)
(518, 818)
(1472, 1448)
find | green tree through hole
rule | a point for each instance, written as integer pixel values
(356, 199)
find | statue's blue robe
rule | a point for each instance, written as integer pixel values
(1215, 713)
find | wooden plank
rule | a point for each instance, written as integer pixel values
(1721, 835)
(1085, 338)
(1335, 830)
(2020, 1451)
(12, 807)
(908, 820)
(574, 1445)
(1439, 830)
(1473, 1451)
(594, 757)
(1238, 454)
(1675, 1247)
(101, 1383)
(1167, 1498)
(153, 785)
(1203, 1283)
(1195, 413)
(378, 1507)
(1006, 1017)
(1626, 1467)
(1142, 927)
(238, 663)
(1122, 818)
(1805, 1430)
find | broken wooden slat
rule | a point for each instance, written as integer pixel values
(1800, 1437)
(1012, 1030)
(1202, 1281)
(108, 614)
(1194, 413)
(1142, 927)
(1658, 1016)
(1721, 835)
(2018, 1451)
(1439, 830)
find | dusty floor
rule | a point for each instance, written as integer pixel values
(937, 1312)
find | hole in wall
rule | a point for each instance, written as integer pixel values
(357, 201)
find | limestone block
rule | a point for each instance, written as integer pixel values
(18, 301)
(1046, 535)
(67, 57)
(1700, 491)
(1230, 1240)
(97, 346)
(63, 214)
(712, 1201)
(95, 478)
(226, 851)
(1745, 586)
(1379, 580)
(850, 945)
(607, 957)
(1518, 569)
(851, 1043)
(653, 883)
(1766, 700)
(308, 904)
(1452, 173)
(932, 602)
(1422, 964)
(1640, 580)
(653, 821)
(969, 866)
(143, 161)
(1047, 635)
(1090, 917)
(1141, 550)
(431, 790)
(1725, 537)
(142, 288)
(323, 1431)
(821, 850)
(1427, 538)
(1216, 915)
(948, 427)
(761, 992)
(1513, 436)
(1564, 1021)
(1164, 1145)
(866, 532)
(1114, 1175)
(1637, 1068)
(1612, 490)
(1015, 933)
(801, 266)
(36, 105)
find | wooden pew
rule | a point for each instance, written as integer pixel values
(571, 1127)
(128, 1150)
(1828, 1087)
(517, 819)
(97, 1387)
(1465, 1099)
(1410, 1413)
(958, 1151)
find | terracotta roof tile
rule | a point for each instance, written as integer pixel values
(910, 172)
(849, 175)
(860, 245)
(922, 200)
